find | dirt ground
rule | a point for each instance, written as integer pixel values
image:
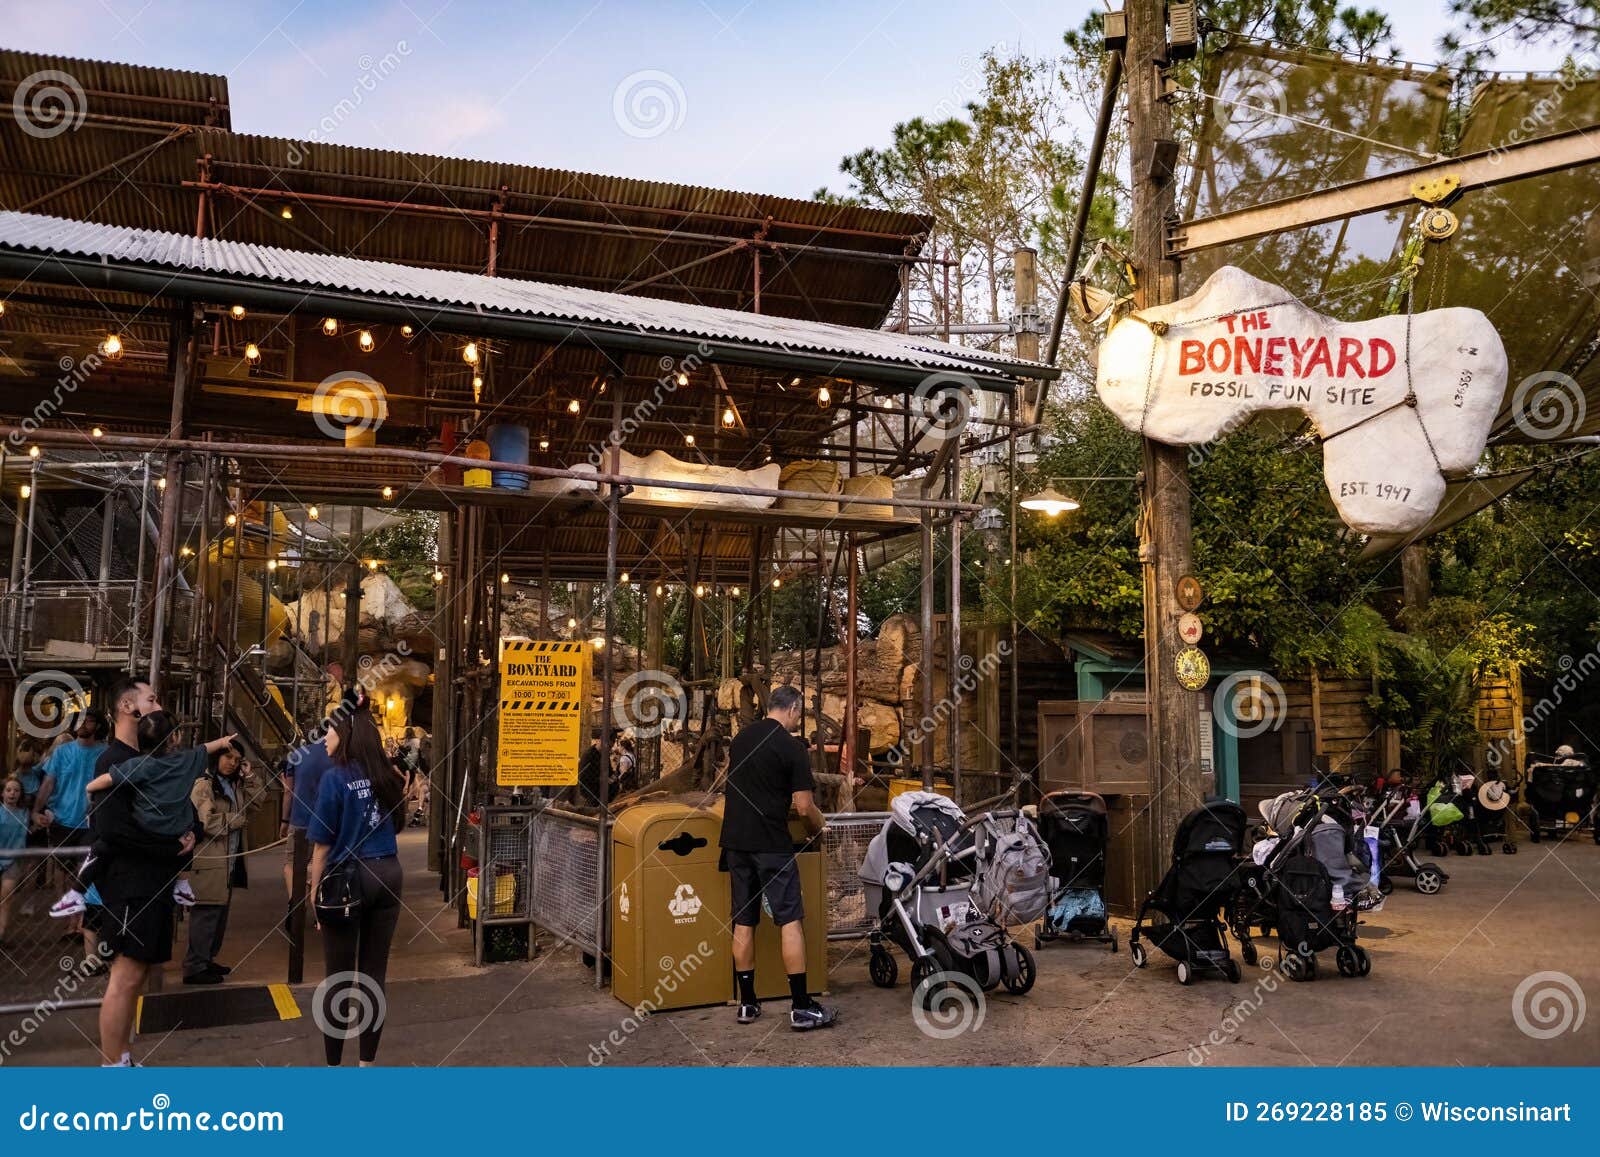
(1444, 990)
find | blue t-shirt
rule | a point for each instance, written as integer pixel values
(31, 779)
(72, 767)
(13, 832)
(347, 817)
(307, 764)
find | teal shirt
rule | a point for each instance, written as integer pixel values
(72, 767)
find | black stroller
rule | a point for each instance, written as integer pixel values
(1192, 896)
(1074, 827)
(1560, 795)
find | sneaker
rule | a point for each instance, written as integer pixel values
(219, 969)
(816, 1016)
(204, 978)
(749, 1013)
(70, 904)
(182, 894)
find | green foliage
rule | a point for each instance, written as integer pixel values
(409, 545)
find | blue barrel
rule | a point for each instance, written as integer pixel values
(508, 443)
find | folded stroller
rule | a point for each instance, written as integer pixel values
(1074, 827)
(943, 887)
(1192, 897)
(1560, 795)
(1306, 881)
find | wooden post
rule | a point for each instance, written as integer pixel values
(1166, 550)
(185, 358)
(1414, 583)
(352, 599)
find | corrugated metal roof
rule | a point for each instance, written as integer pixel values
(148, 250)
(134, 91)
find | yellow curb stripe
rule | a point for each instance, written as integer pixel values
(283, 1000)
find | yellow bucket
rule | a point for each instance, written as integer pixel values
(505, 896)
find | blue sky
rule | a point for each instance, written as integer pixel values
(764, 95)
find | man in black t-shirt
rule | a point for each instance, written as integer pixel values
(767, 775)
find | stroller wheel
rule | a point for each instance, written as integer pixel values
(1386, 884)
(883, 968)
(1508, 848)
(1248, 951)
(1363, 961)
(1429, 879)
(1185, 973)
(1112, 942)
(1234, 973)
(1297, 967)
(1038, 942)
(1136, 951)
(1346, 960)
(1019, 981)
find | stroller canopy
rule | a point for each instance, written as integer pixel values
(910, 813)
(1213, 827)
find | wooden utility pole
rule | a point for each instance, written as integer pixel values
(1165, 547)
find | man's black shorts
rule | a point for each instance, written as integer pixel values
(139, 928)
(754, 875)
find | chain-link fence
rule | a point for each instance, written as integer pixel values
(46, 961)
(566, 868)
(502, 891)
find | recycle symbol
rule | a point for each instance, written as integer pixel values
(622, 900)
(684, 902)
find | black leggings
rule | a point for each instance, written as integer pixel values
(356, 1004)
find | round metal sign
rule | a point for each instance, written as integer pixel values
(1190, 628)
(1194, 669)
(1189, 592)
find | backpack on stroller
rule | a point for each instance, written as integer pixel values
(1194, 893)
(1074, 827)
(1308, 881)
(1560, 794)
(940, 884)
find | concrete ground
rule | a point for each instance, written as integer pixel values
(1495, 969)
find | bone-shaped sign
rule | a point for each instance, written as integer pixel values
(1398, 401)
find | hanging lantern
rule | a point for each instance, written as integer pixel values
(330, 326)
(366, 341)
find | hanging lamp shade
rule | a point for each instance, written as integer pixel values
(1049, 502)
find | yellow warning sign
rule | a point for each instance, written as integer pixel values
(542, 690)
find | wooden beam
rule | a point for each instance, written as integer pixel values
(1390, 191)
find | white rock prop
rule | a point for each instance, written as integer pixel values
(1241, 345)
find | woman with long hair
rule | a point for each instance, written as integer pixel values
(355, 881)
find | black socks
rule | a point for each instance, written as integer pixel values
(797, 990)
(747, 986)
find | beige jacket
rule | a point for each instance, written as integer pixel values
(219, 819)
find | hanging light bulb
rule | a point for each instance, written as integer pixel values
(776, 583)
(438, 575)
(26, 491)
(727, 417)
(699, 591)
(544, 443)
(734, 592)
(660, 590)
(599, 643)
(311, 513)
(572, 624)
(252, 352)
(469, 353)
(161, 483)
(232, 519)
(184, 552)
(237, 313)
(823, 397)
(477, 389)
(372, 564)
(574, 406)
(366, 341)
(688, 439)
(682, 377)
(272, 564)
(112, 346)
(330, 326)
(286, 213)
(504, 578)
(388, 492)
(96, 432)
(406, 331)
(34, 451)
(623, 578)
(795, 381)
(2, 309)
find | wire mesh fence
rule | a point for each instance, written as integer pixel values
(565, 875)
(46, 960)
(844, 846)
